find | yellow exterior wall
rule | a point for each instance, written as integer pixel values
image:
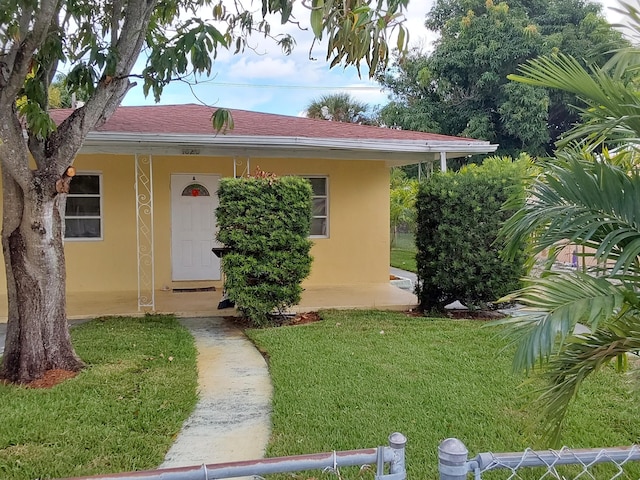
(356, 252)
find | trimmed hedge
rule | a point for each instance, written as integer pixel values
(459, 217)
(266, 223)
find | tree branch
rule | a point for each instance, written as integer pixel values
(115, 21)
(64, 143)
(21, 53)
(13, 150)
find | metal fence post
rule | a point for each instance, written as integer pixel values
(452, 459)
(397, 442)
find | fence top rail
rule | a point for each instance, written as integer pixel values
(549, 458)
(392, 454)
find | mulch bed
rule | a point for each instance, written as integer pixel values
(299, 319)
(474, 314)
(459, 314)
(311, 317)
(50, 379)
(303, 318)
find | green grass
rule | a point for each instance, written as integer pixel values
(403, 253)
(404, 259)
(121, 413)
(350, 380)
(405, 241)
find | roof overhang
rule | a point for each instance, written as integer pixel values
(393, 152)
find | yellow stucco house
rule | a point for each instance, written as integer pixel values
(140, 216)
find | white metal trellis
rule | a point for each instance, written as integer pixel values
(239, 164)
(144, 232)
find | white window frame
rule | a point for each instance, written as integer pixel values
(100, 217)
(326, 197)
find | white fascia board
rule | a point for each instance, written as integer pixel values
(110, 138)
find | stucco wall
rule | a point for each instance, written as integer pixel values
(356, 252)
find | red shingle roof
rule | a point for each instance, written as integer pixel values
(192, 119)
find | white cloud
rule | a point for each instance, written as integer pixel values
(246, 68)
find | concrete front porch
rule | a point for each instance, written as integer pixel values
(204, 304)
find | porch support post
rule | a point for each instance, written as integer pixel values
(144, 232)
(443, 161)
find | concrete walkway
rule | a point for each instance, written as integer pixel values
(404, 273)
(232, 419)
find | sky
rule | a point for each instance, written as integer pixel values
(263, 79)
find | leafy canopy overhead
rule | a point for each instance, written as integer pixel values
(180, 38)
(461, 87)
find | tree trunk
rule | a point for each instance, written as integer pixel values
(32, 240)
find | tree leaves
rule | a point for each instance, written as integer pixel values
(583, 202)
(222, 120)
(555, 304)
(338, 107)
(612, 111)
(479, 44)
(317, 17)
(177, 46)
(191, 49)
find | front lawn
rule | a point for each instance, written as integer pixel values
(349, 381)
(121, 413)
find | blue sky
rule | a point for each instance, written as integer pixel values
(263, 79)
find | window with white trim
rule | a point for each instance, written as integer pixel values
(83, 213)
(320, 208)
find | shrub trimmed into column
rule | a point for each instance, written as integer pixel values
(265, 222)
(459, 217)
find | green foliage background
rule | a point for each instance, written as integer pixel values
(461, 88)
(459, 217)
(266, 224)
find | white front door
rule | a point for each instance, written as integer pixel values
(194, 200)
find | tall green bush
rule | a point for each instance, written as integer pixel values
(265, 222)
(459, 217)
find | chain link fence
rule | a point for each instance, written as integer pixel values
(566, 463)
(389, 464)
(453, 464)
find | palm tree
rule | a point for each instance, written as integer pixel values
(589, 196)
(338, 107)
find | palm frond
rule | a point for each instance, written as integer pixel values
(581, 357)
(591, 200)
(554, 305)
(632, 15)
(624, 61)
(580, 202)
